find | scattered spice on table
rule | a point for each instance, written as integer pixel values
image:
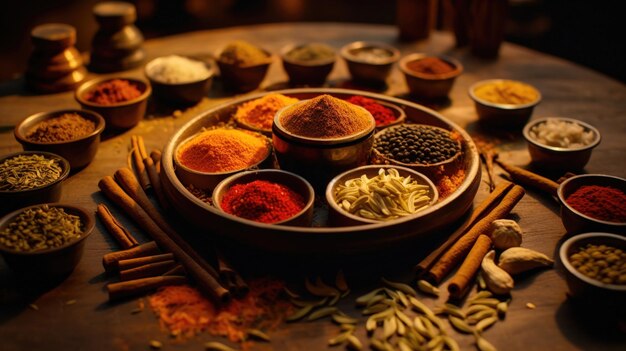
(382, 114)
(601, 202)
(242, 53)
(507, 92)
(223, 150)
(28, 171)
(262, 201)
(430, 65)
(417, 144)
(259, 113)
(176, 69)
(561, 133)
(448, 183)
(604, 263)
(68, 126)
(371, 54)
(41, 228)
(311, 52)
(113, 92)
(325, 117)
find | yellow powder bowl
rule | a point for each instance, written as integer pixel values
(504, 103)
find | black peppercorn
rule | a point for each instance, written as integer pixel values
(417, 144)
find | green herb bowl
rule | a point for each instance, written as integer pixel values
(78, 152)
(369, 72)
(49, 264)
(11, 200)
(309, 72)
(243, 78)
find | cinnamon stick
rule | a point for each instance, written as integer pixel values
(528, 178)
(206, 282)
(461, 247)
(140, 286)
(176, 270)
(139, 153)
(495, 197)
(147, 270)
(155, 155)
(461, 280)
(140, 261)
(110, 260)
(155, 181)
(123, 237)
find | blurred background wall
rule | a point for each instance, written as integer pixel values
(587, 32)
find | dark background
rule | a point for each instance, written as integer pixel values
(587, 32)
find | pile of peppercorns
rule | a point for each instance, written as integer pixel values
(416, 143)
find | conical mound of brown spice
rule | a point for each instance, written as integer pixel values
(326, 117)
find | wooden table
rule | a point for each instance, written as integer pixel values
(92, 323)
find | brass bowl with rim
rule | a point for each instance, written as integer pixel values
(182, 93)
(429, 86)
(311, 72)
(510, 116)
(369, 71)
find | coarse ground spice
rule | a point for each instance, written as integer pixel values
(507, 92)
(68, 126)
(223, 150)
(601, 202)
(311, 52)
(382, 115)
(113, 92)
(31, 171)
(241, 53)
(259, 113)
(325, 117)
(431, 66)
(262, 201)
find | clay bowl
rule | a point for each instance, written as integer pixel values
(429, 86)
(179, 93)
(123, 115)
(243, 78)
(340, 217)
(577, 222)
(369, 71)
(502, 115)
(310, 72)
(14, 199)
(553, 157)
(50, 263)
(78, 152)
(288, 179)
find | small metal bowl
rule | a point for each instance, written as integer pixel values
(124, 115)
(552, 157)
(288, 179)
(207, 181)
(243, 78)
(502, 115)
(11, 200)
(310, 72)
(577, 222)
(369, 71)
(338, 216)
(586, 288)
(184, 93)
(429, 86)
(50, 263)
(79, 152)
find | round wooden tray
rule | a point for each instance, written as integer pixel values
(331, 240)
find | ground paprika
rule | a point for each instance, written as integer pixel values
(601, 202)
(382, 115)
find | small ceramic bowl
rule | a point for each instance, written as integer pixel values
(183, 93)
(79, 152)
(243, 78)
(429, 86)
(288, 179)
(502, 115)
(577, 222)
(339, 216)
(14, 199)
(307, 72)
(49, 263)
(586, 288)
(369, 62)
(553, 157)
(123, 115)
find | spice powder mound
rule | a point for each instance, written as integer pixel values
(326, 117)
(68, 126)
(259, 113)
(113, 92)
(430, 66)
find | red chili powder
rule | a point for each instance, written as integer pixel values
(601, 202)
(382, 114)
(113, 92)
(430, 65)
(262, 201)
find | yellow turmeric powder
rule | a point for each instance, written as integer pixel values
(259, 113)
(507, 92)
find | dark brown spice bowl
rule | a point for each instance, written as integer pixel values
(312, 72)
(577, 222)
(502, 115)
(288, 179)
(243, 78)
(185, 93)
(78, 152)
(50, 263)
(124, 115)
(369, 71)
(11, 200)
(429, 86)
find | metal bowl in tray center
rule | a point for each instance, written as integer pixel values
(322, 238)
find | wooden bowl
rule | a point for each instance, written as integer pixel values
(313, 72)
(429, 86)
(369, 71)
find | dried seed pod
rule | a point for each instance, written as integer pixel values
(502, 308)
(354, 343)
(322, 312)
(484, 345)
(518, 260)
(460, 325)
(427, 288)
(405, 288)
(258, 334)
(454, 310)
(451, 344)
(339, 339)
(389, 327)
(420, 307)
(505, 234)
(341, 319)
(486, 323)
(217, 346)
(498, 280)
(364, 299)
(300, 313)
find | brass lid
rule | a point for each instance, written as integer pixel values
(115, 13)
(53, 36)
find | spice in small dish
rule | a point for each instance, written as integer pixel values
(310, 53)
(68, 126)
(176, 69)
(113, 92)
(600, 202)
(259, 113)
(603, 263)
(382, 114)
(417, 144)
(31, 171)
(561, 133)
(243, 54)
(371, 54)
(507, 92)
(262, 201)
(223, 150)
(430, 65)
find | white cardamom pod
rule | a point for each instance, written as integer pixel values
(498, 280)
(518, 259)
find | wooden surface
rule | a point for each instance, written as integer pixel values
(91, 323)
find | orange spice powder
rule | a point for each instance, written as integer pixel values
(259, 113)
